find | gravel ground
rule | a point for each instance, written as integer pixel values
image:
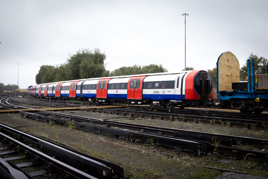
(143, 160)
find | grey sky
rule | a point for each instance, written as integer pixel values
(35, 33)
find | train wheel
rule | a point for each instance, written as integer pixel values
(168, 106)
(258, 111)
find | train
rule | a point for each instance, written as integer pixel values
(182, 89)
(247, 96)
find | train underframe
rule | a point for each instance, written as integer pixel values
(246, 106)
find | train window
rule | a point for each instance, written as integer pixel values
(170, 84)
(78, 87)
(123, 86)
(102, 85)
(163, 84)
(197, 85)
(159, 85)
(111, 86)
(117, 86)
(73, 86)
(135, 83)
(94, 86)
(178, 82)
(149, 85)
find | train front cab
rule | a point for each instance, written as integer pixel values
(198, 88)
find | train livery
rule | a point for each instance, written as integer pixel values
(186, 88)
(247, 96)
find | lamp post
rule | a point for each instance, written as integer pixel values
(185, 14)
(18, 76)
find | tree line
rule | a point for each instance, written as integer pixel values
(88, 64)
(8, 87)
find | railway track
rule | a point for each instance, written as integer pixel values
(199, 142)
(26, 156)
(212, 117)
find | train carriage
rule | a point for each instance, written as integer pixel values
(159, 89)
(65, 90)
(89, 90)
(187, 88)
(117, 89)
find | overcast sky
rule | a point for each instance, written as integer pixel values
(142, 32)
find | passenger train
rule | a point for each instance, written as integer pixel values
(186, 88)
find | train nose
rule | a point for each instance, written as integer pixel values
(203, 85)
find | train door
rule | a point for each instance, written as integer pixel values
(102, 88)
(134, 89)
(178, 86)
(45, 92)
(57, 89)
(72, 89)
(79, 89)
(39, 90)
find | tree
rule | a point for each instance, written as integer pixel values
(260, 66)
(213, 74)
(60, 74)
(86, 64)
(10, 87)
(188, 68)
(45, 74)
(136, 69)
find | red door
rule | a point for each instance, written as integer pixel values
(134, 88)
(45, 91)
(57, 89)
(102, 88)
(39, 90)
(72, 89)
